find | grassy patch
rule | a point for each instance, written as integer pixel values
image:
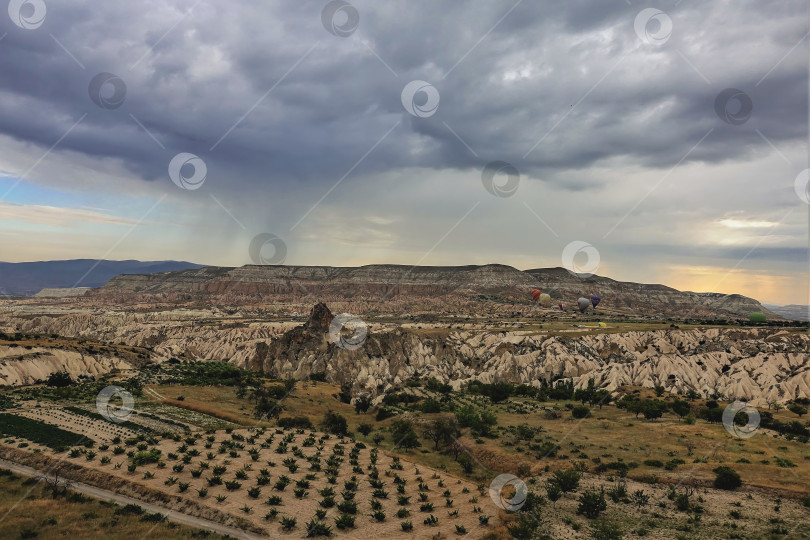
(38, 432)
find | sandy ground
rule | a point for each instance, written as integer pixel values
(304, 509)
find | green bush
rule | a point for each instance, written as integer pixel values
(335, 423)
(580, 411)
(726, 478)
(592, 503)
(344, 521)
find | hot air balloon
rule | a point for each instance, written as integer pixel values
(545, 300)
(562, 306)
(757, 316)
(595, 301)
(536, 294)
(583, 304)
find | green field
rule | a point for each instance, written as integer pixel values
(38, 432)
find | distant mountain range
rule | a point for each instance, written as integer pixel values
(399, 288)
(795, 312)
(28, 278)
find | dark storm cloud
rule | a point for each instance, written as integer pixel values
(191, 77)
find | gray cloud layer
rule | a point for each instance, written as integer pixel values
(309, 105)
(190, 85)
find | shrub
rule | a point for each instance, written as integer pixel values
(335, 423)
(592, 503)
(316, 528)
(726, 478)
(344, 521)
(59, 379)
(288, 523)
(407, 526)
(580, 411)
(603, 530)
(618, 493)
(566, 481)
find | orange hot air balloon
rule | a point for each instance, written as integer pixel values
(536, 294)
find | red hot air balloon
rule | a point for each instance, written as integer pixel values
(536, 294)
(562, 306)
(595, 301)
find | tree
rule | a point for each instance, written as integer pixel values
(440, 431)
(601, 397)
(403, 435)
(467, 416)
(466, 463)
(659, 390)
(652, 409)
(60, 379)
(499, 391)
(365, 429)
(487, 420)
(635, 407)
(56, 484)
(798, 409)
(680, 407)
(583, 395)
(726, 478)
(362, 404)
(456, 448)
(267, 408)
(335, 423)
(553, 492)
(567, 481)
(430, 405)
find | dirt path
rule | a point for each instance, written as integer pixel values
(121, 499)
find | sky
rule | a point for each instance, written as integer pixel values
(655, 142)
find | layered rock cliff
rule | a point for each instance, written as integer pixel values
(473, 290)
(756, 365)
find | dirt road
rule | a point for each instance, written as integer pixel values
(121, 499)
